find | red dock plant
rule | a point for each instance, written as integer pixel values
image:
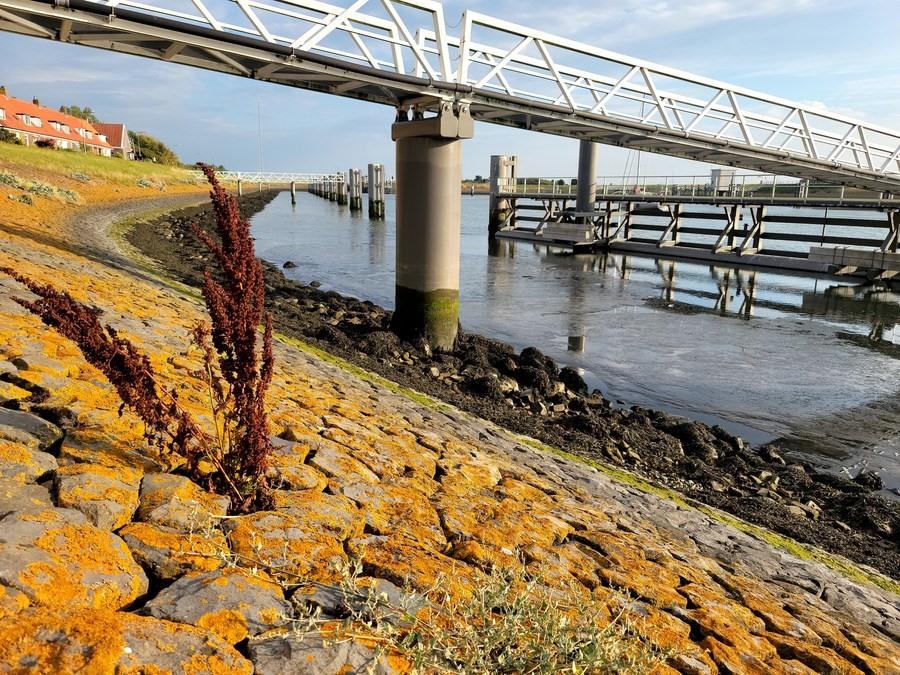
(233, 460)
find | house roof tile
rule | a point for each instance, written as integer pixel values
(14, 108)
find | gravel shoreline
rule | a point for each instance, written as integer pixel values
(528, 393)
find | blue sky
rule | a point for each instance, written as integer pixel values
(843, 54)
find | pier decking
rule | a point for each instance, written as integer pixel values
(749, 220)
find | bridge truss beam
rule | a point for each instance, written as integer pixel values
(399, 53)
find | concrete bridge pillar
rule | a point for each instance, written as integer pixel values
(429, 171)
(355, 190)
(503, 175)
(376, 191)
(342, 189)
(587, 176)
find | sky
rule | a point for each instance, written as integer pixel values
(841, 54)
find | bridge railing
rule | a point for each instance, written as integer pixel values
(741, 186)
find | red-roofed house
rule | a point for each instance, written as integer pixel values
(32, 122)
(117, 137)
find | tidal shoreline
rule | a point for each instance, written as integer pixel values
(527, 393)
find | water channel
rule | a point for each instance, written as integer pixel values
(811, 361)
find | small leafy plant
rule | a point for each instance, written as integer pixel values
(233, 460)
(511, 624)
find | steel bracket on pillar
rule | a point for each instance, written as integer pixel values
(452, 121)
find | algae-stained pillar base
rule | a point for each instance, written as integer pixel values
(429, 173)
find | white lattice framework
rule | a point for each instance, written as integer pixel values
(272, 177)
(402, 53)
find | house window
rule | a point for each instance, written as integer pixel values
(89, 135)
(36, 121)
(2, 114)
(80, 132)
(55, 125)
(26, 119)
(66, 128)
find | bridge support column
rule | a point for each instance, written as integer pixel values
(376, 191)
(503, 177)
(342, 190)
(429, 171)
(587, 176)
(355, 190)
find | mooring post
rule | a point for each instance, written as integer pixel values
(376, 191)
(503, 179)
(240, 188)
(355, 190)
(429, 172)
(293, 193)
(332, 189)
(342, 189)
(587, 177)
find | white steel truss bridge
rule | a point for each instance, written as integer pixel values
(403, 53)
(273, 177)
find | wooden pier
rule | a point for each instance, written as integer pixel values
(752, 220)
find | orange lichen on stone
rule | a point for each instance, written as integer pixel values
(334, 515)
(403, 563)
(12, 602)
(394, 509)
(170, 553)
(285, 546)
(78, 560)
(99, 641)
(21, 463)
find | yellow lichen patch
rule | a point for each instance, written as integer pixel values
(83, 567)
(318, 511)
(403, 563)
(102, 641)
(171, 553)
(18, 461)
(10, 392)
(228, 624)
(11, 602)
(285, 547)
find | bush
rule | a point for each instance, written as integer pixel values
(236, 371)
(47, 143)
(41, 189)
(512, 624)
(6, 136)
(22, 199)
(81, 177)
(10, 179)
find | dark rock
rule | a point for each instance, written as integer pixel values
(573, 381)
(289, 265)
(533, 378)
(869, 480)
(534, 358)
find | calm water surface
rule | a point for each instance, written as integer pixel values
(812, 361)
